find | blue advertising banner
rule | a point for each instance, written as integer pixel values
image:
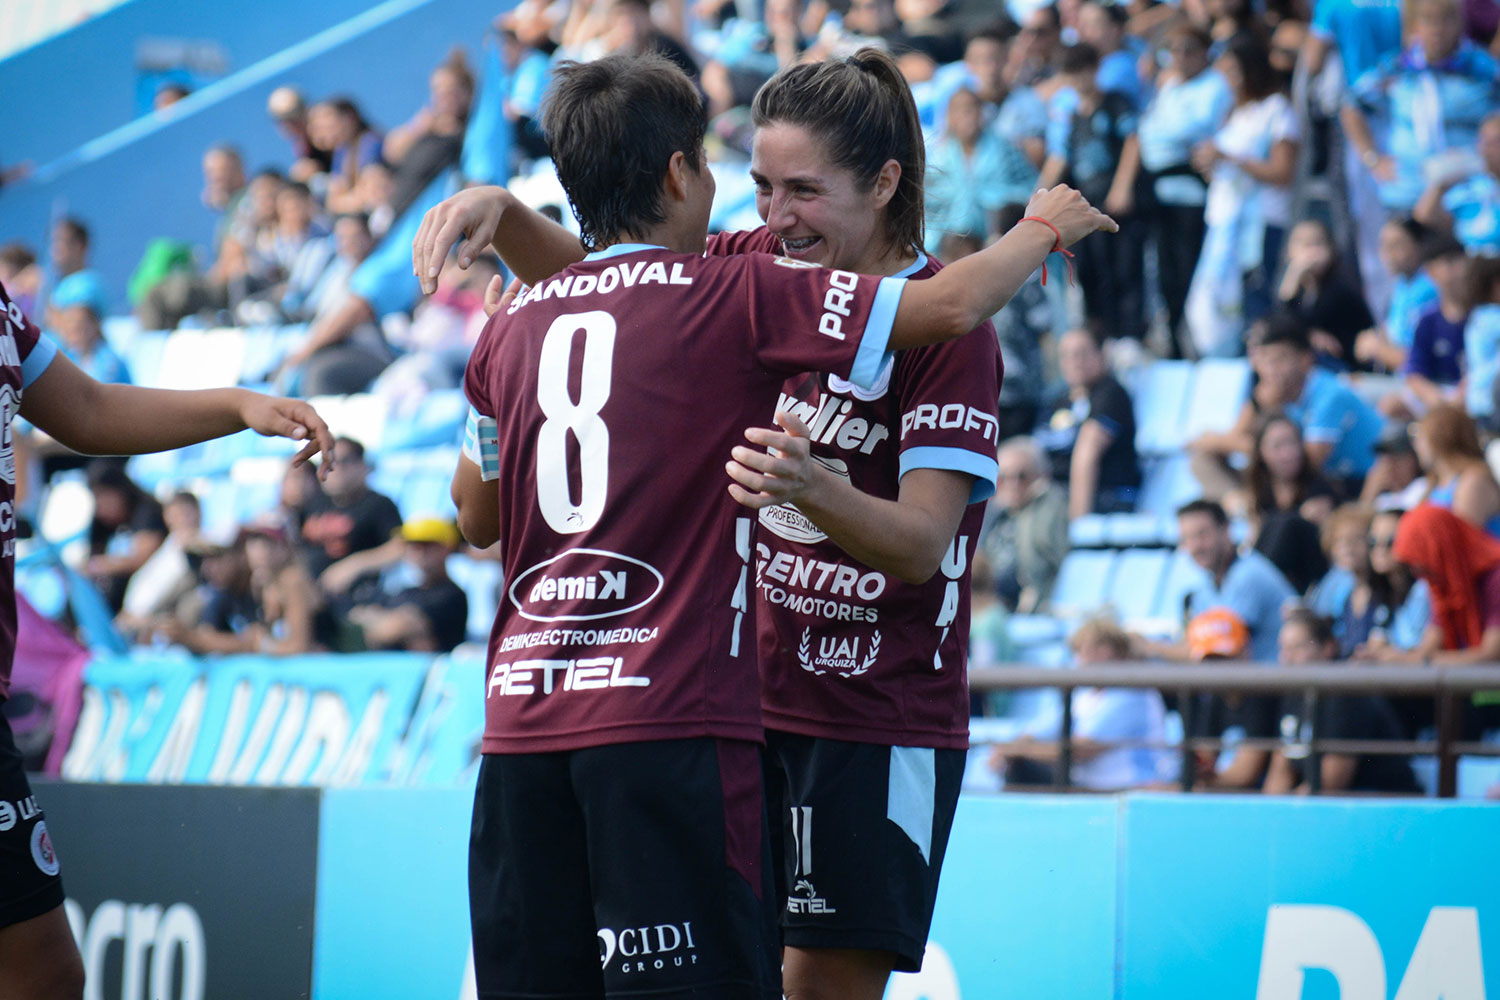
(242, 720)
(1298, 899)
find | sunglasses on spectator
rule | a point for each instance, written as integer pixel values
(1379, 541)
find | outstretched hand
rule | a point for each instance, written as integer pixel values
(294, 419)
(1070, 212)
(473, 213)
(782, 473)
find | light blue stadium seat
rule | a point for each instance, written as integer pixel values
(1137, 580)
(1477, 775)
(439, 420)
(1181, 575)
(1083, 582)
(1161, 393)
(1220, 386)
(1168, 483)
(143, 356)
(1127, 531)
(1091, 531)
(1034, 630)
(264, 349)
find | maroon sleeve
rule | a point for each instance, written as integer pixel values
(949, 396)
(805, 318)
(25, 330)
(1489, 598)
(477, 380)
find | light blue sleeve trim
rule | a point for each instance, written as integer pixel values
(911, 797)
(874, 346)
(984, 468)
(37, 361)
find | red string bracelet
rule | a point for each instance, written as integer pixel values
(1057, 247)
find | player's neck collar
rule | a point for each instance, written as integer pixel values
(913, 267)
(622, 248)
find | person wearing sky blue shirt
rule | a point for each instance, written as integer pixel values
(1103, 27)
(78, 303)
(1470, 206)
(1247, 583)
(971, 172)
(1190, 105)
(1017, 116)
(1421, 102)
(1363, 32)
(1482, 342)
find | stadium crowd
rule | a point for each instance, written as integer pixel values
(1315, 188)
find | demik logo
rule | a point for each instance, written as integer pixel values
(42, 851)
(648, 949)
(582, 585)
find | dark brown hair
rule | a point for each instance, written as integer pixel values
(612, 126)
(862, 110)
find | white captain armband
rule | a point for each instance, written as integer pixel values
(482, 444)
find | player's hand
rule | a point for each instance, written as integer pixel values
(497, 298)
(290, 418)
(473, 213)
(780, 474)
(1070, 212)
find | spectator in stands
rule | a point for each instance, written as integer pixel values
(1231, 718)
(166, 578)
(350, 518)
(1410, 601)
(430, 142)
(1482, 343)
(1415, 104)
(431, 616)
(1307, 638)
(182, 294)
(972, 172)
(1339, 428)
(1460, 480)
(1028, 536)
(1359, 601)
(1469, 206)
(223, 610)
(1249, 164)
(1015, 113)
(20, 275)
(298, 253)
(1102, 719)
(444, 329)
(1384, 348)
(989, 636)
(301, 495)
(167, 95)
(1021, 327)
(289, 111)
(1434, 365)
(1395, 481)
(1286, 500)
(1102, 26)
(1090, 433)
(68, 252)
(1461, 565)
(630, 30)
(1247, 584)
(1191, 102)
(528, 70)
(338, 127)
(1086, 132)
(76, 311)
(1033, 59)
(352, 243)
(126, 529)
(1315, 288)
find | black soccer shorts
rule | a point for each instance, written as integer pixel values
(633, 870)
(29, 881)
(863, 831)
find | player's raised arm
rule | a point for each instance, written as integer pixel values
(532, 245)
(95, 418)
(970, 291)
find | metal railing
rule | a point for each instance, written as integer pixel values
(1447, 686)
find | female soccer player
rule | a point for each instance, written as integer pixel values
(863, 632)
(38, 957)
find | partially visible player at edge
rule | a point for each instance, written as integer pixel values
(619, 796)
(38, 957)
(862, 715)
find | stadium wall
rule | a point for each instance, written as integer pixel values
(81, 83)
(143, 179)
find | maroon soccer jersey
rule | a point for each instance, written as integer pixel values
(619, 387)
(848, 652)
(24, 355)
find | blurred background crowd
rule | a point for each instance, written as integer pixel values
(1260, 426)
